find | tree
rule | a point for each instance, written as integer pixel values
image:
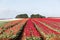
(22, 16)
(37, 16)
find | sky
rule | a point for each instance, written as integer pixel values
(11, 8)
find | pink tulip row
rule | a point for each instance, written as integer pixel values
(9, 24)
(12, 32)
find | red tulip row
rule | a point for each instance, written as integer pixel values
(52, 20)
(30, 32)
(50, 24)
(55, 20)
(45, 31)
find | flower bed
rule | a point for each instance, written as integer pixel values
(30, 32)
(45, 31)
(13, 31)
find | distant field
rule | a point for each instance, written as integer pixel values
(3, 22)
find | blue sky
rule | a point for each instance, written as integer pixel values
(11, 8)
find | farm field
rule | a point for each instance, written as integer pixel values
(30, 29)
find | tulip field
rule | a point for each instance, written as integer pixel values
(30, 29)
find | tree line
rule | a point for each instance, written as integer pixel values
(32, 16)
